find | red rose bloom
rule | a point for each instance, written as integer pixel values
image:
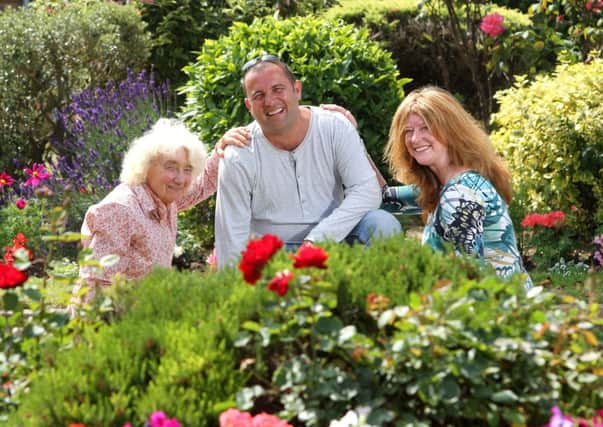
(280, 283)
(10, 277)
(310, 256)
(256, 255)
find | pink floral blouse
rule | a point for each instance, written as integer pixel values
(132, 223)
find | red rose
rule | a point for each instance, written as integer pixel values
(280, 283)
(310, 256)
(493, 24)
(10, 277)
(256, 255)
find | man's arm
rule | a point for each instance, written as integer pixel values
(233, 208)
(361, 189)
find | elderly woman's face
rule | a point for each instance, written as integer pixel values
(170, 175)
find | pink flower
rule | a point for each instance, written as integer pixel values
(267, 420)
(37, 174)
(280, 283)
(127, 425)
(492, 24)
(159, 419)
(235, 418)
(212, 260)
(20, 203)
(5, 179)
(558, 419)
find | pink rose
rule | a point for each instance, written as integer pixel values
(493, 24)
(20, 203)
(235, 418)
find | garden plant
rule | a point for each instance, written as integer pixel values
(329, 335)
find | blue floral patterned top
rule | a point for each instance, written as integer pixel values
(474, 218)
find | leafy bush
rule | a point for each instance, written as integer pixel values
(51, 50)
(553, 142)
(170, 347)
(464, 352)
(179, 28)
(336, 63)
(439, 53)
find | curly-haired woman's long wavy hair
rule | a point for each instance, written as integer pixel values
(468, 145)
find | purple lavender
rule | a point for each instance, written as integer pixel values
(99, 124)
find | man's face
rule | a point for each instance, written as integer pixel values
(272, 99)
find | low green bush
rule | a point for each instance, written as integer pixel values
(51, 50)
(336, 63)
(550, 130)
(186, 343)
(169, 348)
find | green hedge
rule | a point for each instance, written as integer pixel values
(550, 130)
(336, 63)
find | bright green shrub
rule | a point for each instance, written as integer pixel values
(169, 349)
(550, 131)
(51, 50)
(335, 62)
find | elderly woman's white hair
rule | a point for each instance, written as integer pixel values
(165, 137)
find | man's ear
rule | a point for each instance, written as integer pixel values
(297, 86)
(247, 104)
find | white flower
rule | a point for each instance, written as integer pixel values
(353, 418)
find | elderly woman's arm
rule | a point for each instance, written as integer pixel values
(206, 184)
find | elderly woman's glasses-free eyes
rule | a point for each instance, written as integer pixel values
(255, 61)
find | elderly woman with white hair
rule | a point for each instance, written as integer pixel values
(164, 172)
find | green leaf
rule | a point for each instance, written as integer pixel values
(328, 325)
(504, 396)
(10, 300)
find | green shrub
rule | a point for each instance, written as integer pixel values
(178, 29)
(335, 62)
(51, 50)
(458, 351)
(550, 131)
(170, 348)
(423, 34)
(183, 343)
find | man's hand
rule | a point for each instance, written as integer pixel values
(236, 136)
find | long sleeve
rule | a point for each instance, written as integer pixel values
(107, 230)
(361, 189)
(233, 207)
(204, 186)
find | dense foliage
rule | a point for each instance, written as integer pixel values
(179, 28)
(336, 63)
(553, 142)
(51, 50)
(453, 338)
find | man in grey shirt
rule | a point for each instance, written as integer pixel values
(304, 177)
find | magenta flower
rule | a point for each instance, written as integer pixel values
(37, 174)
(20, 203)
(492, 24)
(159, 419)
(5, 179)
